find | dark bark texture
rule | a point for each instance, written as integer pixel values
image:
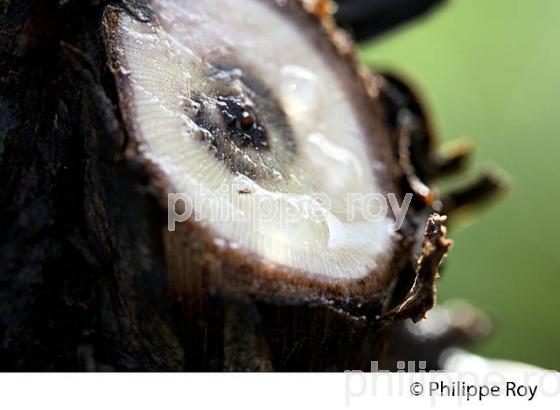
(83, 275)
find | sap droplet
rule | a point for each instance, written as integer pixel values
(300, 93)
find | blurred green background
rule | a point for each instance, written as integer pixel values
(490, 71)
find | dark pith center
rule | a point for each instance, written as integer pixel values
(242, 122)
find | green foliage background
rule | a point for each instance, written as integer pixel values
(490, 70)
